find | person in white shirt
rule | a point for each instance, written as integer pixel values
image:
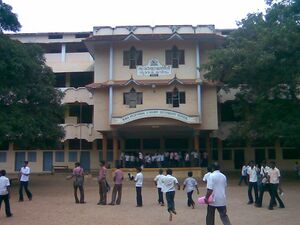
(190, 184)
(169, 188)
(274, 177)
(216, 186)
(4, 192)
(158, 182)
(252, 173)
(138, 186)
(206, 176)
(244, 175)
(263, 184)
(24, 180)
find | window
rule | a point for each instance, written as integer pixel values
(132, 144)
(84, 113)
(82, 35)
(226, 154)
(290, 153)
(132, 58)
(151, 144)
(176, 143)
(72, 156)
(175, 97)
(74, 144)
(59, 156)
(55, 36)
(132, 98)
(81, 79)
(31, 156)
(175, 57)
(75, 47)
(3, 157)
(271, 153)
(60, 80)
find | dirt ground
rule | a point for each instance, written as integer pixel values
(53, 204)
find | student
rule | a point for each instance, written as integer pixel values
(24, 180)
(169, 188)
(118, 180)
(206, 176)
(263, 184)
(138, 179)
(102, 184)
(78, 182)
(244, 175)
(190, 184)
(252, 173)
(216, 186)
(4, 192)
(158, 182)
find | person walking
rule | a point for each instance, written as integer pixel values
(244, 175)
(138, 179)
(24, 180)
(4, 192)
(264, 184)
(252, 173)
(158, 182)
(169, 183)
(117, 190)
(102, 184)
(78, 182)
(216, 186)
(190, 184)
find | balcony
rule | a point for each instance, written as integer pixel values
(81, 131)
(80, 94)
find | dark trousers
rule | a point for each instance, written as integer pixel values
(262, 189)
(252, 185)
(210, 216)
(102, 191)
(5, 198)
(81, 191)
(275, 196)
(190, 201)
(243, 178)
(139, 198)
(28, 193)
(170, 200)
(116, 190)
(160, 196)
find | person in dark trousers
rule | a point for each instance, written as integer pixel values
(158, 182)
(244, 175)
(102, 184)
(264, 184)
(78, 182)
(216, 185)
(24, 180)
(118, 180)
(190, 184)
(4, 192)
(252, 173)
(138, 179)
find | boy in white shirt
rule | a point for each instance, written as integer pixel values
(252, 173)
(24, 180)
(138, 186)
(190, 184)
(158, 182)
(4, 192)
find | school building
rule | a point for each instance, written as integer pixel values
(131, 89)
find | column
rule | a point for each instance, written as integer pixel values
(63, 52)
(196, 143)
(110, 78)
(104, 147)
(116, 153)
(198, 77)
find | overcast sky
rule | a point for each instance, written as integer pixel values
(75, 15)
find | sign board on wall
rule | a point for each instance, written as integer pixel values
(155, 113)
(154, 69)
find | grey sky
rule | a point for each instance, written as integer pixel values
(75, 15)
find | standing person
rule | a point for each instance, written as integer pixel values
(78, 182)
(207, 175)
(274, 177)
(4, 192)
(24, 180)
(118, 180)
(138, 179)
(169, 188)
(216, 186)
(102, 184)
(296, 169)
(264, 184)
(244, 175)
(252, 173)
(158, 182)
(190, 184)
(187, 160)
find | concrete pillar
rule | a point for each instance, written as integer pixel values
(68, 79)
(196, 143)
(116, 153)
(63, 53)
(104, 147)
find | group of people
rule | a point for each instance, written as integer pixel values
(5, 187)
(261, 179)
(163, 159)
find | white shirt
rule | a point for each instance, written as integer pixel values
(274, 175)
(206, 176)
(4, 183)
(139, 179)
(158, 179)
(190, 184)
(217, 182)
(244, 170)
(25, 171)
(169, 183)
(252, 172)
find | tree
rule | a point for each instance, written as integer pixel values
(30, 106)
(262, 59)
(8, 19)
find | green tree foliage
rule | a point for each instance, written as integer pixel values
(30, 106)
(8, 19)
(262, 59)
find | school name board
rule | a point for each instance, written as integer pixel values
(154, 69)
(155, 113)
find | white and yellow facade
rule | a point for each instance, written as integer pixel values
(132, 89)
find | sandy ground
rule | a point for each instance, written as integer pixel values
(53, 204)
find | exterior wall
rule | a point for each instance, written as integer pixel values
(101, 64)
(209, 108)
(77, 95)
(101, 118)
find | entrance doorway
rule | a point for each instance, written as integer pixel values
(19, 160)
(47, 161)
